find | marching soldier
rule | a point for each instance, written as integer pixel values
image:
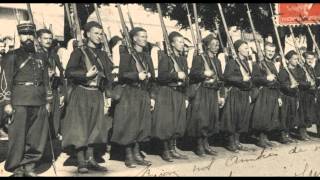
(84, 126)
(291, 109)
(238, 106)
(132, 116)
(169, 116)
(27, 99)
(45, 38)
(203, 120)
(265, 76)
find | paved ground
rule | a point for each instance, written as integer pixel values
(296, 159)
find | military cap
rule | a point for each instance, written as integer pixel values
(207, 40)
(174, 34)
(26, 27)
(289, 54)
(238, 43)
(135, 30)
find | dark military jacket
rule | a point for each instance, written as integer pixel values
(76, 69)
(16, 70)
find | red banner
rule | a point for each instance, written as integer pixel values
(298, 13)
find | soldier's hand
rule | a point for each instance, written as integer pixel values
(51, 73)
(153, 102)
(61, 103)
(92, 72)
(107, 105)
(271, 77)
(8, 109)
(246, 78)
(293, 86)
(181, 75)
(280, 102)
(115, 71)
(48, 107)
(142, 75)
(149, 75)
(187, 103)
(208, 73)
(221, 102)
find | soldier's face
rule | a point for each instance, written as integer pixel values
(141, 38)
(310, 59)
(270, 51)
(27, 39)
(294, 60)
(178, 43)
(2, 47)
(244, 50)
(46, 40)
(95, 35)
(214, 46)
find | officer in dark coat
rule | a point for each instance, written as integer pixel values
(169, 116)
(45, 38)
(84, 127)
(203, 114)
(27, 97)
(132, 116)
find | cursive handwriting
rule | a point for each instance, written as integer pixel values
(307, 171)
(236, 160)
(147, 172)
(208, 167)
(296, 150)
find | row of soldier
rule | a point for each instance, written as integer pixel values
(149, 97)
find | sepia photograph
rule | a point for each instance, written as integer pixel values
(159, 89)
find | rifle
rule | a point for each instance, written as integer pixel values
(104, 37)
(301, 62)
(190, 24)
(293, 81)
(200, 49)
(314, 41)
(128, 43)
(130, 19)
(215, 21)
(259, 50)
(244, 72)
(169, 50)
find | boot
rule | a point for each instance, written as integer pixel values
(262, 143)
(138, 158)
(19, 172)
(166, 154)
(283, 138)
(302, 134)
(82, 165)
(173, 152)
(92, 163)
(129, 161)
(29, 170)
(268, 142)
(231, 144)
(200, 149)
(318, 131)
(238, 144)
(207, 147)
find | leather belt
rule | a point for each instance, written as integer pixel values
(29, 83)
(89, 87)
